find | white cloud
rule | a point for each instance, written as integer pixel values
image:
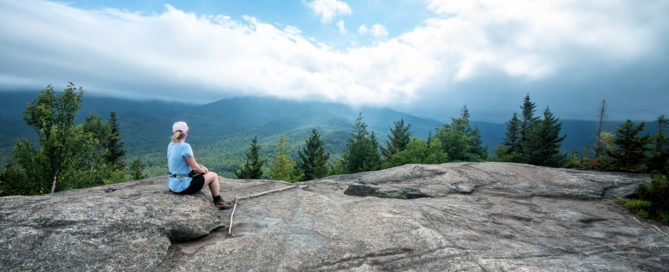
(362, 29)
(536, 39)
(175, 54)
(342, 27)
(328, 9)
(378, 31)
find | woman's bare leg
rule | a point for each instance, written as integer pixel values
(211, 179)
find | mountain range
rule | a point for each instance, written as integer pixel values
(220, 132)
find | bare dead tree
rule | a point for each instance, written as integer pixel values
(602, 117)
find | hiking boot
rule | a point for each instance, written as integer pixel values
(222, 204)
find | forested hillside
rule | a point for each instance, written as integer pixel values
(221, 131)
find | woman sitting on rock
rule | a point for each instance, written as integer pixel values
(186, 176)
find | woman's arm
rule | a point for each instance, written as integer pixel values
(196, 167)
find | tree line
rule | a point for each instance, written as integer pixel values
(529, 139)
(69, 156)
(73, 156)
(456, 141)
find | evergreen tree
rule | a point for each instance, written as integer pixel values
(103, 171)
(630, 148)
(528, 122)
(338, 167)
(137, 170)
(313, 159)
(544, 141)
(511, 142)
(113, 144)
(398, 139)
(362, 149)
(415, 152)
(282, 166)
(660, 152)
(435, 153)
(460, 141)
(252, 169)
(476, 147)
(517, 144)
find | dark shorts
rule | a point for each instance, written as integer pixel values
(195, 186)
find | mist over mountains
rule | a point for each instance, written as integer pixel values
(221, 131)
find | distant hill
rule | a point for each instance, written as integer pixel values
(221, 131)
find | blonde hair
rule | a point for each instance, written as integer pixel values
(178, 135)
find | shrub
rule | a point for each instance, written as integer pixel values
(653, 199)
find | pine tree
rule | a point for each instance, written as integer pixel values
(103, 171)
(415, 152)
(313, 158)
(137, 170)
(476, 148)
(460, 141)
(527, 124)
(362, 149)
(252, 169)
(512, 137)
(660, 152)
(630, 148)
(435, 153)
(398, 139)
(544, 141)
(113, 144)
(454, 140)
(282, 166)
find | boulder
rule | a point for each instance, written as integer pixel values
(455, 216)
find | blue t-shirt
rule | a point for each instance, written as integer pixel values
(176, 163)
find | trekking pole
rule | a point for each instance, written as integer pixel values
(232, 215)
(237, 198)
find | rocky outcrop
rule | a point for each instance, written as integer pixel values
(457, 216)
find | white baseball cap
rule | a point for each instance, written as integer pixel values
(181, 125)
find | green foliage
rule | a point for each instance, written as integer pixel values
(418, 151)
(460, 141)
(435, 153)
(529, 121)
(282, 167)
(511, 145)
(313, 158)
(52, 115)
(362, 149)
(69, 156)
(543, 144)
(660, 151)
(532, 140)
(398, 139)
(112, 143)
(415, 152)
(252, 169)
(653, 199)
(338, 167)
(630, 150)
(136, 170)
(639, 207)
(603, 161)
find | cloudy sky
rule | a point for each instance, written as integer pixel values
(425, 57)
